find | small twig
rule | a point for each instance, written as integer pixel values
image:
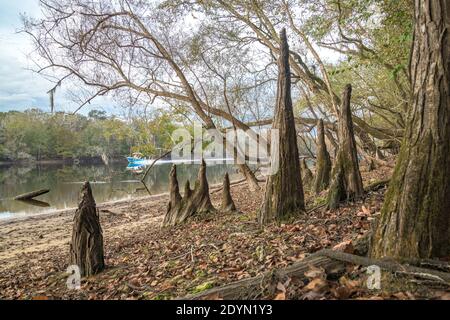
(426, 276)
(150, 168)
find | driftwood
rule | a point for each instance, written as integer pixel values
(331, 261)
(284, 195)
(227, 201)
(194, 202)
(31, 195)
(86, 248)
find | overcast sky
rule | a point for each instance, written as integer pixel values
(21, 88)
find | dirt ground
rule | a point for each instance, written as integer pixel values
(147, 262)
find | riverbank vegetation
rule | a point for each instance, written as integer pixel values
(35, 135)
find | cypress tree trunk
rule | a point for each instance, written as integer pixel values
(323, 164)
(86, 248)
(284, 190)
(227, 201)
(347, 182)
(194, 202)
(415, 219)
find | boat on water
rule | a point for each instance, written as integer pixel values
(137, 160)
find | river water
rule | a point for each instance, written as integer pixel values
(109, 183)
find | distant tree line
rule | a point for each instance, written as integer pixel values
(36, 135)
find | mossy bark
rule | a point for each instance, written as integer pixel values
(323, 164)
(194, 202)
(284, 195)
(347, 182)
(415, 219)
(86, 247)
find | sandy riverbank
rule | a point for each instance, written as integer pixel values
(27, 235)
(30, 234)
(147, 262)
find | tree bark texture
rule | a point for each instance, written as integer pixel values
(86, 248)
(194, 202)
(415, 219)
(323, 164)
(347, 182)
(284, 190)
(227, 201)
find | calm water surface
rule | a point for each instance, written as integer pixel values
(109, 183)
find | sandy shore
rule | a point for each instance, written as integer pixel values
(26, 235)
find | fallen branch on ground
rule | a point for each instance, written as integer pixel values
(329, 260)
(377, 185)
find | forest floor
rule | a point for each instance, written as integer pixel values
(147, 262)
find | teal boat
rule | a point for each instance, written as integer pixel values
(137, 159)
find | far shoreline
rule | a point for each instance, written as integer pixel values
(69, 161)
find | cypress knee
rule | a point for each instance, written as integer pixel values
(284, 190)
(86, 248)
(227, 201)
(193, 203)
(323, 164)
(174, 205)
(307, 176)
(347, 182)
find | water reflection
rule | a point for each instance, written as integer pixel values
(114, 182)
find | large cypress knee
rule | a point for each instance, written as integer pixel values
(194, 202)
(347, 182)
(284, 195)
(86, 248)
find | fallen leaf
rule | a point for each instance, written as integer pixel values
(280, 296)
(314, 273)
(317, 285)
(345, 246)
